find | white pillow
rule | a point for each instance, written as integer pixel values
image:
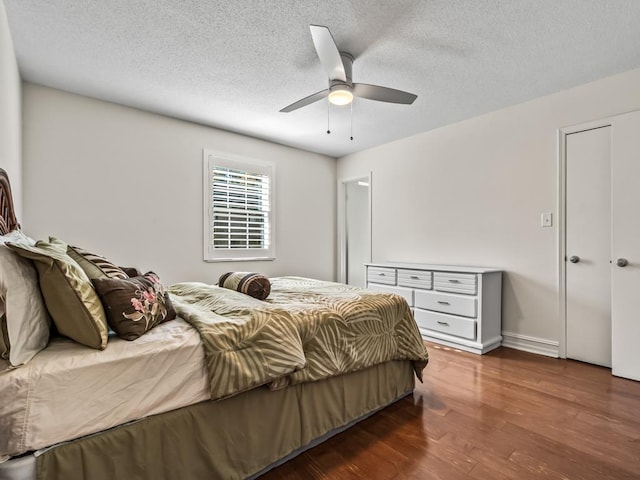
(27, 321)
(17, 236)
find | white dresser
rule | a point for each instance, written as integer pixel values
(453, 305)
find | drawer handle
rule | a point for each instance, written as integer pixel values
(381, 274)
(454, 280)
(415, 277)
(443, 303)
(443, 323)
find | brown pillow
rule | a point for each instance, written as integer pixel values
(131, 271)
(134, 305)
(253, 284)
(95, 266)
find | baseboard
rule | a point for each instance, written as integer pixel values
(540, 346)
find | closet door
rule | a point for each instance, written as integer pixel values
(588, 246)
(625, 267)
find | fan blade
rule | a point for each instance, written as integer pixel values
(328, 53)
(306, 101)
(383, 94)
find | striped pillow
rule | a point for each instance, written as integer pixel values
(253, 284)
(94, 265)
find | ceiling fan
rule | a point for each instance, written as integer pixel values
(338, 66)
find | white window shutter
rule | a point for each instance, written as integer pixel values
(239, 208)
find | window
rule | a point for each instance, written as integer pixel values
(238, 215)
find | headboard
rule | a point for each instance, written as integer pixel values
(8, 220)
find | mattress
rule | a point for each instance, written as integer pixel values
(68, 391)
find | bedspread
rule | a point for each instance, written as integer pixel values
(306, 330)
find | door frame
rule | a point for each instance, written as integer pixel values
(342, 222)
(562, 223)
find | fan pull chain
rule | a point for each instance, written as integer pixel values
(328, 111)
(351, 137)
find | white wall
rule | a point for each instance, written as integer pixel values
(10, 155)
(128, 184)
(472, 193)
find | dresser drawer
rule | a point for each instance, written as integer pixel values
(466, 283)
(441, 322)
(407, 293)
(381, 275)
(446, 303)
(414, 279)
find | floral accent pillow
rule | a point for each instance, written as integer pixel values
(134, 305)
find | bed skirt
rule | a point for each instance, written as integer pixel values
(234, 438)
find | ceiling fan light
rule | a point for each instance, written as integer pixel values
(340, 96)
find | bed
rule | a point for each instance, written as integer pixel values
(230, 388)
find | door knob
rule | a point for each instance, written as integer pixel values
(574, 259)
(622, 262)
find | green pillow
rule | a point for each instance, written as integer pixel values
(68, 293)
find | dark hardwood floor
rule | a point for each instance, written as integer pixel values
(505, 415)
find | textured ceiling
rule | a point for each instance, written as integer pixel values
(234, 64)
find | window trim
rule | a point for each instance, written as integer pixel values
(211, 254)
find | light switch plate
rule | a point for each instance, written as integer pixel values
(546, 219)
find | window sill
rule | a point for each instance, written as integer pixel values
(242, 259)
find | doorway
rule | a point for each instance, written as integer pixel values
(355, 241)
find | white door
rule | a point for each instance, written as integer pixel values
(357, 230)
(588, 246)
(625, 273)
